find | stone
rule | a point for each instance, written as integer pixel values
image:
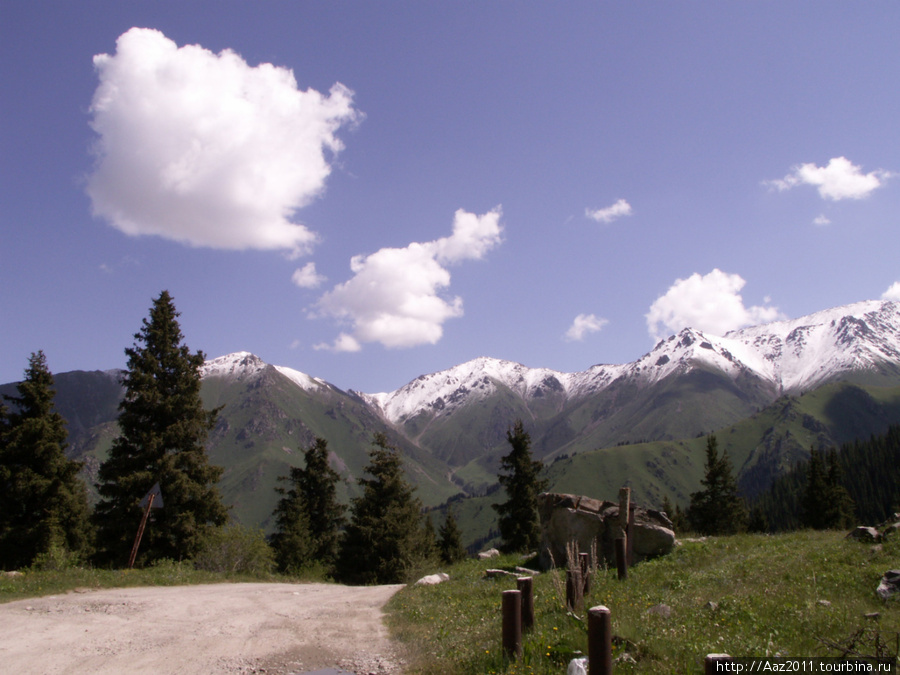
(585, 521)
(866, 534)
(890, 585)
(661, 610)
(890, 531)
(490, 553)
(433, 579)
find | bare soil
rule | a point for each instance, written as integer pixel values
(218, 628)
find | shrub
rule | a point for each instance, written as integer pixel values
(235, 549)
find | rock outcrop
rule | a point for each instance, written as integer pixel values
(567, 519)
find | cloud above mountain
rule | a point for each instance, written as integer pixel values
(584, 325)
(710, 303)
(610, 213)
(892, 293)
(839, 179)
(394, 297)
(206, 150)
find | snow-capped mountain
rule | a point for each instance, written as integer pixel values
(861, 339)
(243, 366)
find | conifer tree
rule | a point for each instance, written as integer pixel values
(450, 540)
(163, 431)
(43, 502)
(717, 509)
(815, 497)
(309, 517)
(519, 522)
(839, 506)
(380, 544)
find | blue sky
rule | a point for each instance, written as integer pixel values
(408, 186)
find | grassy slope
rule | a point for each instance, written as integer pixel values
(766, 588)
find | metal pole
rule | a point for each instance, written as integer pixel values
(140, 532)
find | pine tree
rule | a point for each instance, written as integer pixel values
(519, 522)
(163, 431)
(839, 506)
(292, 541)
(815, 496)
(43, 502)
(450, 540)
(380, 544)
(309, 517)
(717, 509)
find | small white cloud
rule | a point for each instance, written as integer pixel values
(307, 277)
(610, 213)
(583, 325)
(203, 149)
(892, 293)
(821, 220)
(840, 179)
(342, 343)
(395, 295)
(710, 303)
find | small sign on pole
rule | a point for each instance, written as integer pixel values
(152, 500)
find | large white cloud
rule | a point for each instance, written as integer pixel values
(610, 213)
(710, 303)
(840, 179)
(395, 296)
(583, 325)
(206, 150)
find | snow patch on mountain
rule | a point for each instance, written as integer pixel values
(789, 355)
(242, 366)
(302, 380)
(236, 366)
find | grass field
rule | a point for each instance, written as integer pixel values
(797, 594)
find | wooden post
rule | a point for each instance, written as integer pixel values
(629, 536)
(621, 558)
(512, 624)
(710, 667)
(574, 588)
(526, 588)
(140, 532)
(624, 508)
(585, 571)
(599, 641)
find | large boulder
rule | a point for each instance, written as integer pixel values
(568, 519)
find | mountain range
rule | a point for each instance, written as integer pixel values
(769, 392)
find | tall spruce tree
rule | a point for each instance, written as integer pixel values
(163, 431)
(717, 509)
(815, 497)
(43, 501)
(381, 542)
(309, 517)
(450, 540)
(520, 528)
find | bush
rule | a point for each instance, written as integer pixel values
(235, 549)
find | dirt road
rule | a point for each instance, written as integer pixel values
(218, 628)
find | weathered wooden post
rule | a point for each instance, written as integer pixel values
(599, 641)
(710, 665)
(574, 590)
(526, 588)
(621, 559)
(585, 572)
(629, 536)
(512, 624)
(622, 542)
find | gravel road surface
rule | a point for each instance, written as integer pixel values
(218, 628)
